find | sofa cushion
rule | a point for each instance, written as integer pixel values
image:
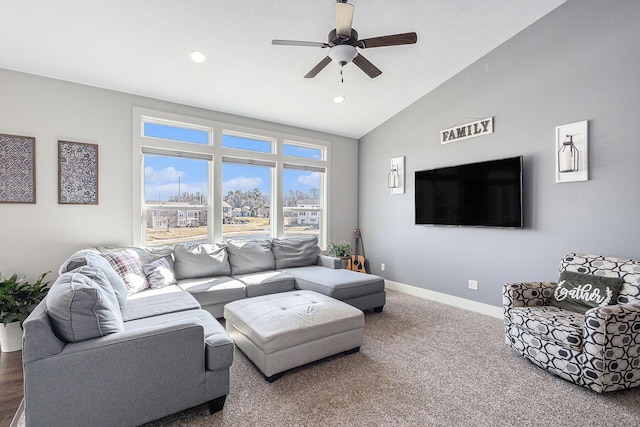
(581, 292)
(159, 273)
(266, 282)
(201, 260)
(155, 302)
(129, 269)
(552, 324)
(93, 259)
(296, 251)
(214, 290)
(82, 305)
(339, 284)
(249, 256)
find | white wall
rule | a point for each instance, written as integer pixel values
(38, 238)
(578, 63)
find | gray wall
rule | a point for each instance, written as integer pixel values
(578, 63)
(37, 238)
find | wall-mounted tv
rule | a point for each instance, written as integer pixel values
(485, 194)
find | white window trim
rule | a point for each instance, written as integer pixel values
(216, 153)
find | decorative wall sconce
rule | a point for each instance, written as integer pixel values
(571, 152)
(395, 177)
(568, 156)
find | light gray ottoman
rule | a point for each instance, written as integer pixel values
(289, 329)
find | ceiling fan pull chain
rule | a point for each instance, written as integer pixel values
(341, 76)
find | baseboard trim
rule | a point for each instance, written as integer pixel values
(478, 307)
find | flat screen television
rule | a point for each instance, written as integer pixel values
(485, 194)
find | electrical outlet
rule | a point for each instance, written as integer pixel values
(473, 284)
(382, 266)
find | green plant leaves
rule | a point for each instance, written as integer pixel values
(18, 297)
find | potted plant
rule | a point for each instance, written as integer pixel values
(18, 298)
(341, 250)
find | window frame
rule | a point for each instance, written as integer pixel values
(217, 154)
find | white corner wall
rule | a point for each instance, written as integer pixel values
(35, 238)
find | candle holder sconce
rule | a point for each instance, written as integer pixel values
(572, 152)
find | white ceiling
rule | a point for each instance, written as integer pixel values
(142, 47)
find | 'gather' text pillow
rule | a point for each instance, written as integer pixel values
(580, 292)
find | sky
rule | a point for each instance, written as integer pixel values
(162, 172)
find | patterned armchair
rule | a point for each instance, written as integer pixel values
(599, 349)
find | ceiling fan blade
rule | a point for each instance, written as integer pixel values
(315, 70)
(298, 43)
(393, 40)
(366, 66)
(344, 20)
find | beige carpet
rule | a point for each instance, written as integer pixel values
(422, 364)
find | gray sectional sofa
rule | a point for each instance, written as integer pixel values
(129, 334)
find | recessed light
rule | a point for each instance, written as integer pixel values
(197, 56)
(338, 99)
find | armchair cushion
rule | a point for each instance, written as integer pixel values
(554, 324)
(580, 292)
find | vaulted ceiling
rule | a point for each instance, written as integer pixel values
(142, 47)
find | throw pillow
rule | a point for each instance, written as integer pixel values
(129, 269)
(82, 305)
(202, 260)
(297, 251)
(159, 273)
(581, 292)
(93, 259)
(250, 256)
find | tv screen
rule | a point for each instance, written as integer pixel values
(478, 194)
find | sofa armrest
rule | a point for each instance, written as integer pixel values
(608, 332)
(125, 378)
(330, 261)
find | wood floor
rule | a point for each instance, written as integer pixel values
(10, 385)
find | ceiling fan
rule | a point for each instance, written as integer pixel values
(343, 43)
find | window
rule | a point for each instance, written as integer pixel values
(246, 143)
(175, 132)
(303, 201)
(175, 192)
(197, 180)
(303, 151)
(246, 191)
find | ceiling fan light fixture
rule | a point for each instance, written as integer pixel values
(197, 56)
(342, 54)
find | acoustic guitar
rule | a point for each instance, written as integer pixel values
(356, 263)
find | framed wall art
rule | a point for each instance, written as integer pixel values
(77, 173)
(17, 169)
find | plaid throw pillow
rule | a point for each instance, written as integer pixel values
(129, 268)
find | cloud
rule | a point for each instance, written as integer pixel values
(162, 176)
(311, 179)
(241, 183)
